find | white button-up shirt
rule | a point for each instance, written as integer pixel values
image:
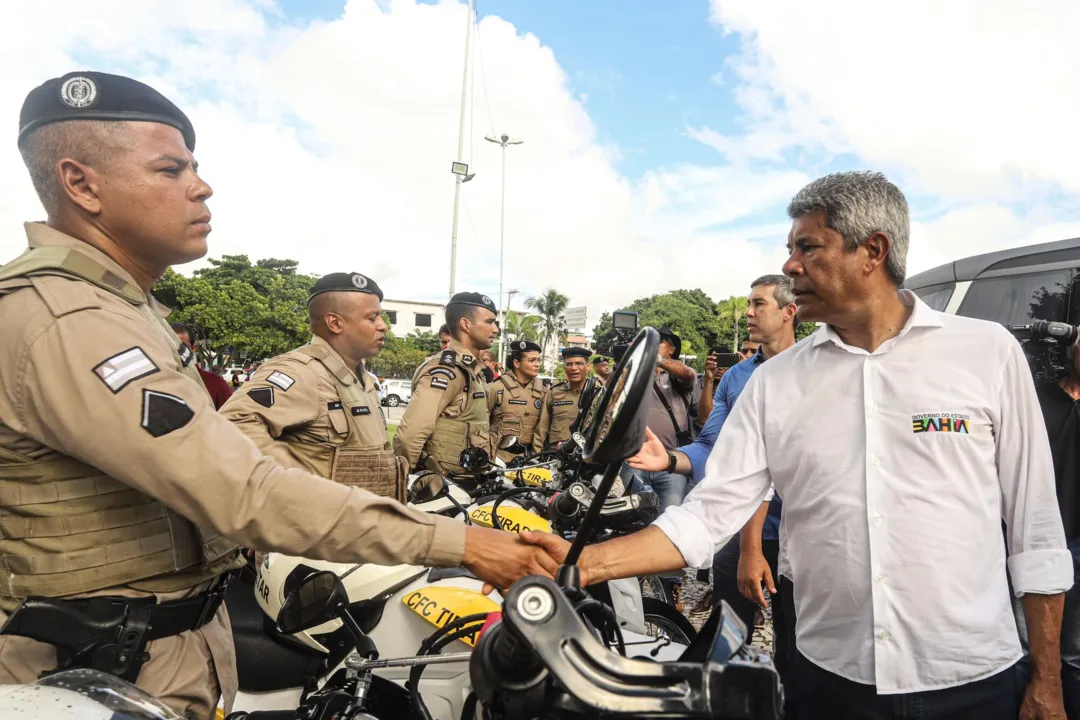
(896, 468)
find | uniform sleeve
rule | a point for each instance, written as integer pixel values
(96, 386)
(1039, 561)
(262, 409)
(435, 389)
(543, 426)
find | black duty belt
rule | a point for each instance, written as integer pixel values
(110, 633)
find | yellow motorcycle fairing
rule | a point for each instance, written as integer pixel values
(513, 519)
(440, 605)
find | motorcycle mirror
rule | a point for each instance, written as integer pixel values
(613, 429)
(427, 487)
(511, 444)
(315, 601)
(474, 458)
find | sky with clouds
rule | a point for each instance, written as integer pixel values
(662, 140)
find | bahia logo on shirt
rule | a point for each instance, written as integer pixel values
(941, 422)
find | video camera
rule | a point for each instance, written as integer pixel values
(625, 324)
(1046, 345)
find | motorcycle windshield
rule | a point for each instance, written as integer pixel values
(81, 695)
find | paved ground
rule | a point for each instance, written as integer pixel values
(393, 415)
(692, 590)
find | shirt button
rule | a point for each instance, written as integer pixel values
(884, 635)
(881, 577)
(875, 460)
(877, 519)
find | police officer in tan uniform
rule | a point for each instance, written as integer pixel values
(449, 410)
(601, 368)
(518, 395)
(123, 493)
(315, 407)
(560, 406)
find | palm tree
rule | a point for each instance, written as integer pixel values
(550, 306)
(522, 326)
(729, 311)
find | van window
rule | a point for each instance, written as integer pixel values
(936, 296)
(1018, 299)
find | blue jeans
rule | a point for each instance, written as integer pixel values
(1070, 640)
(670, 488)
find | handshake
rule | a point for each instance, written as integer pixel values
(500, 558)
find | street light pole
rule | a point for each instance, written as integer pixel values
(459, 168)
(502, 140)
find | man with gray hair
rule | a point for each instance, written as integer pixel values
(899, 438)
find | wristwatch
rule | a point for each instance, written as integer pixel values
(671, 462)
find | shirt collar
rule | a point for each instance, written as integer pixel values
(464, 354)
(39, 234)
(922, 315)
(352, 374)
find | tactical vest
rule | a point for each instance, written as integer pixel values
(365, 459)
(520, 410)
(65, 527)
(469, 429)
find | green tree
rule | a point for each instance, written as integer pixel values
(805, 329)
(400, 357)
(424, 340)
(732, 316)
(240, 310)
(550, 306)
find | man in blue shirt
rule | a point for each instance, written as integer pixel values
(750, 559)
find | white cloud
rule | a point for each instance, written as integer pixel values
(331, 143)
(968, 99)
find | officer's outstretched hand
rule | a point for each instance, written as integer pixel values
(652, 456)
(499, 558)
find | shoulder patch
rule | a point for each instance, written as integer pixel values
(440, 383)
(445, 372)
(448, 357)
(124, 368)
(186, 356)
(162, 413)
(467, 359)
(280, 379)
(263, 396)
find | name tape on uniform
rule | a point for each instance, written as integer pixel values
(280, 379)
(122, 369)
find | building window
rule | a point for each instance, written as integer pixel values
(423, 320)
(391, 316)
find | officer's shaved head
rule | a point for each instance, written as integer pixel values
(351, 322)
(95, 143)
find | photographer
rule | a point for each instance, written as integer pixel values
(667, 413)
(1060, 402)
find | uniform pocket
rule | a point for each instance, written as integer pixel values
(339, 422)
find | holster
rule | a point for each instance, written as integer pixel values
(109, 634)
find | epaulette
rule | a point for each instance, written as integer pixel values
(448, 357)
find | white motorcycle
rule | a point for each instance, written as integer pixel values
(396, 608)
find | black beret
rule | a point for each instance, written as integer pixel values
(576, 352)
(100, 96)
(523, 346)
(599, 359)
(471, 298)
(345, 282)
